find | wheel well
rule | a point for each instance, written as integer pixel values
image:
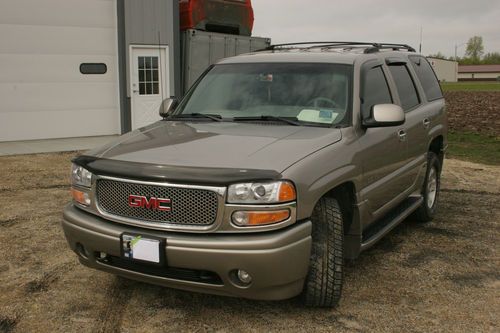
(346, 195)
(437, 148)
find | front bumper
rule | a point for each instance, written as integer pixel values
(277, 260)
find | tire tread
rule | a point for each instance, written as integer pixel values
(323, 286)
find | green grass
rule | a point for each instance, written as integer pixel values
(471, 86)
(474, 147)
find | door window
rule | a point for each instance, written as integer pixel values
(405, 86)
(148, 76)
(375, 91)
(426, 75)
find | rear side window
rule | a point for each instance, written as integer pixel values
(427, 78)
(406, 88)
(375, 91)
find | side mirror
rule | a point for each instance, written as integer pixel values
(385, 115)
(168, 106)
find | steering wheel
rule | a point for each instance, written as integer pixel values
(317, 100)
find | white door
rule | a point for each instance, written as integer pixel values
(149, 83)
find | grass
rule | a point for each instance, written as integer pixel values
(471, 86)
(474, 147)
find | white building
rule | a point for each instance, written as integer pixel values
(446, 70)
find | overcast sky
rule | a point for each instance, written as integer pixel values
(445, 23)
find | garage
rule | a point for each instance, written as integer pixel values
(58, 60)
(94, 68)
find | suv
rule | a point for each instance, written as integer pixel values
(273, 169)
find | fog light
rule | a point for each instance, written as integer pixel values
(244, 277)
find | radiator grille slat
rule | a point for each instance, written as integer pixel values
(189, 206)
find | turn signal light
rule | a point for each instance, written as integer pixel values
(80, 197)
(258, 218)
(287, 192)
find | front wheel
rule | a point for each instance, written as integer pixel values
(323, 285)
(430, 190)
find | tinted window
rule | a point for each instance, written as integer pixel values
(406, 87)
(427, 78)
(375, 90)
(93, 68)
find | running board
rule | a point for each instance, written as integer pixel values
(379, 229)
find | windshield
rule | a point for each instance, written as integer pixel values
(306, 93)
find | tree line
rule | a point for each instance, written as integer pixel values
(474, 54)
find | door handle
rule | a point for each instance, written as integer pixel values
(402, 135)
(426, 122)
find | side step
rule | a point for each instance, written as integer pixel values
(379, 229)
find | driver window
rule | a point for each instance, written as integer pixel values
(375, 91)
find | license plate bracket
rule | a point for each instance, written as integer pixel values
(143, 248)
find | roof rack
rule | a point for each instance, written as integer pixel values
(370, 47)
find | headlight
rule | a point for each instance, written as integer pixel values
(80, 176)
(261, 193)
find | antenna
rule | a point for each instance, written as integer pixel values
(421, 34)
(160, 69)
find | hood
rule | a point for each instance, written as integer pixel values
(219, 144)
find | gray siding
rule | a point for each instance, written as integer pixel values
(149, 22)
(153, 22)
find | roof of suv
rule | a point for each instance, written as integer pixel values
(321, 54)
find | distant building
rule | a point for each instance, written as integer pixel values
(446, 70)
(478, 72)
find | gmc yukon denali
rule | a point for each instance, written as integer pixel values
(274, 168)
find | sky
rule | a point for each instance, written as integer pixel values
(444, 23)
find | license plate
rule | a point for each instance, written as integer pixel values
(142, 248)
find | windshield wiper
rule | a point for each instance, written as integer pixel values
(214, 117)
(269, 118)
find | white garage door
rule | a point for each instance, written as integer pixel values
(43, 94)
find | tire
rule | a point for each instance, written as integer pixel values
(323, 286)
(430, 191)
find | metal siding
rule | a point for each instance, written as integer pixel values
(153, 22)
(202, 49)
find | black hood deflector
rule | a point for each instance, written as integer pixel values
(172, 174)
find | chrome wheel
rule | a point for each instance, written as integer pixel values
(431, 187)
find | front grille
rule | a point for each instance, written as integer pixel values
(194, 207)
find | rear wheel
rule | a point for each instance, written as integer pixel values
(430, 190)
(323, 285)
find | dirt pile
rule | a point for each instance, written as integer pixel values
(475, 111)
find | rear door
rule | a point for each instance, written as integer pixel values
(433, 108)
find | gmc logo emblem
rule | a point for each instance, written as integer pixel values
(139, 201)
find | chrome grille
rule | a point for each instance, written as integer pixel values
(189, 206)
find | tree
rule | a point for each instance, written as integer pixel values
(492, 58)
(475, 48)
(438, 55)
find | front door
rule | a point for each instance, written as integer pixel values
(149, 83)
(383, 150)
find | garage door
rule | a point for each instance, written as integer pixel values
(43, 92)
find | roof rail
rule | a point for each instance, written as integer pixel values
(370, 46)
